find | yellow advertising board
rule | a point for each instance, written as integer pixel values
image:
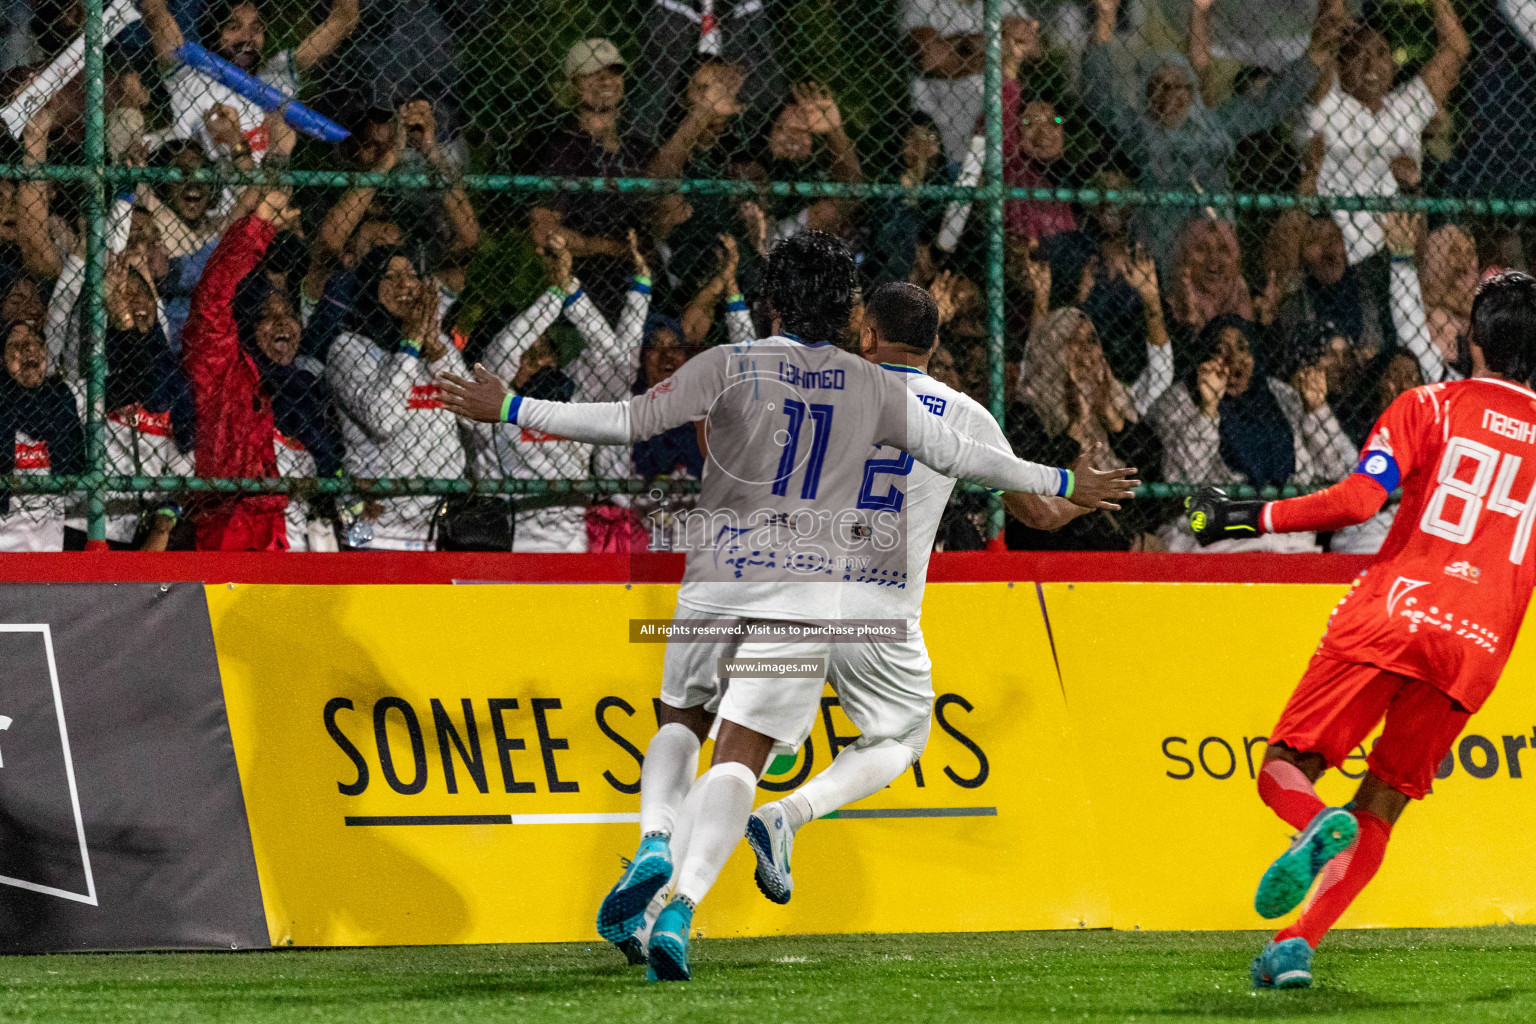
(434, 764)
(1171, 690)
(461, 764)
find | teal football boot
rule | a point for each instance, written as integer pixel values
(668, 949)
(623, 909)
(1285, 964)
(1286, 881)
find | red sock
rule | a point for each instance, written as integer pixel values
(1342, 880)
(1289, 793)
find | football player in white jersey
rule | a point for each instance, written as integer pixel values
(785, 499)
(886, 688)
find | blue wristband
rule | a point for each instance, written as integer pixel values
(509, 407)
(410, 347)
(571, 298)
(736, 304)
(641, 285)
(1068, 484)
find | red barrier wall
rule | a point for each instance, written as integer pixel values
(434, 567)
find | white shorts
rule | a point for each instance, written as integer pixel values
(886, 690)
(688, 674)
(782, 708)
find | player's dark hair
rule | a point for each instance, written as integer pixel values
(808, 282)
(904, 315)
(1504, 325)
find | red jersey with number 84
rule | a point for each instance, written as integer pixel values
(1444, 599)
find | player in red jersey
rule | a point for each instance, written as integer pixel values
(1424, 632)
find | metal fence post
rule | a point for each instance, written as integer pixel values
(992, 195)
(95, 255)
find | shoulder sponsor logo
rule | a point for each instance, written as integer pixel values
(935, 404)
(1381, 441)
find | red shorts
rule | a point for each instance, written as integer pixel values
(1337, 704)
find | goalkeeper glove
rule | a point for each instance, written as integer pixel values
(1213, 516)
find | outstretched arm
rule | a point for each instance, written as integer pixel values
(936, 445)
(328, 35)
(1213, 516)
(1451, 52)
(165, 35)
(684, 397)
(1039, 512)
(1198, 44)
(1101, 93)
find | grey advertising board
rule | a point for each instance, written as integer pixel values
(121, 820)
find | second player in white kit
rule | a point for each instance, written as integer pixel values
(886, 688)
(791, 422)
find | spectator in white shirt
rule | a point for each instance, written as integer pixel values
(524, 355)
(949, 56)
(1371, 132)
(40, 434)
(237, 31)
(382, 379)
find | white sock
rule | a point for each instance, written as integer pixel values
(724, 801)
(671, 762)
(796, 809)
(856, 772)
(682, 837)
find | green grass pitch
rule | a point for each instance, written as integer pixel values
(1454, 975)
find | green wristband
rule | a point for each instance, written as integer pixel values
(506, 408)
(1071, 483)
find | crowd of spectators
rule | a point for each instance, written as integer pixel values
(257, 331)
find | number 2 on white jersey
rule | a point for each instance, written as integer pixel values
(1494, 469)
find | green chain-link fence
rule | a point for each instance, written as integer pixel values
(1217, 237)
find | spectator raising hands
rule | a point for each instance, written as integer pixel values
(237, 31)
(1174, 138)
(1366, 125)
(699, 317)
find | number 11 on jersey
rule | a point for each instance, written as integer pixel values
(821, 419)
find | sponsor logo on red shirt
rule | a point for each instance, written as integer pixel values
(424, 396)
(1464, 570)
(33, 456)
(142, 420)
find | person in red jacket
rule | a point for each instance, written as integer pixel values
(237, 318)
